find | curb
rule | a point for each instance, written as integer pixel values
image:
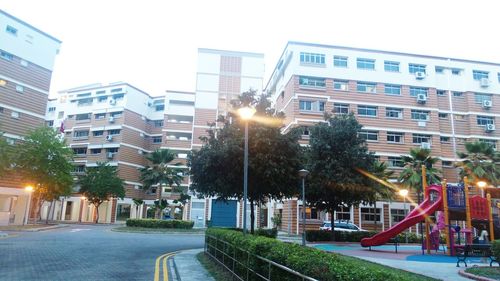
(158, 232)
(44, 228)
(473, 276)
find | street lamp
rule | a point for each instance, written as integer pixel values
(246, 114)
(404, 193)
(481, 185)
(303, 174)
(28, 189)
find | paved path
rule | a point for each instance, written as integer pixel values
(87, 252)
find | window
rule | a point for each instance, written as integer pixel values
(99, 116)
(81, 134)
(52, 109)
(156, 139)
(102, 92)
(480, 98)
(1, 109)
(365, 110)
(311, 213)
(498, 74)
(456, 71)
(3, 83)
(79, 169)
(48, 123)
(340, 108)
(395, 137)
(447, 164)
(391, 66)
(393, 112)
(19, 88)
(340, 85)
(15, 114)
(478, 74)
(84, 116)
(311, 58)
(95, 150)
(80, 150)
(305, 131)
(365, 87)
(370, 214)
(343, 213)
(98, 133)
(444, 139)
(395, 162)
(339, 61)
(116, 114)
(85, 102)
(116, 90)
(416, 68)
(102, 99)
(112, 150)
(60, 115)
(458, 94)
(365, 64)
(421, 115)
(439, 69)
(113, 132)
(312, 82)
(443, 115)
(414, 91)
(158, 123)
(159, 107)
(11, 30)
(493, 143)
(306, 105)
(460, 117)
(118, 97)
(397, 215)
(441, 93)
(420, 138)
(484, 120)
(392, 89)
(6, 55)
(368, 135)
(83, 95)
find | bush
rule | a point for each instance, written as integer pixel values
(495, 248)
(309, 261)
(154, 223)
(340, 236)
(267, 232)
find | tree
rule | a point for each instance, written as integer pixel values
(478, 163)
(182, 200)
(411, 176)
(274, 158)
(337, 155)
(101, 183)
(44, 160)
(137, 203)
(160, 205)
(6, 154)
(160, 172)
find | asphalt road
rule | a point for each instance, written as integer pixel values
(87, 252)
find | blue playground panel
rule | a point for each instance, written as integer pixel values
(456, 196)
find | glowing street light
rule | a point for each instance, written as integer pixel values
(404, 193)
(246, 113)
(28, 189)
(481, 185)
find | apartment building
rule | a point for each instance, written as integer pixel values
(221, 77)
(27, 57)
(119, 124)
(402, 100)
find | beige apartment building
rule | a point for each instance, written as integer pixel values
(27, 57)
(402, 100)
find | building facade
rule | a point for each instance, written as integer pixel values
(27, 57)
(402, 100)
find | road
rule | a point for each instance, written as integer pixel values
(87, 252)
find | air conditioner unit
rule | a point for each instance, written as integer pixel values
(143, 118)
(484, 82)
(112, 101)
(109, 138)
(139, 151)
(110, 155)
(487, 103)
(422, 123)
(141, 135)
(421, 98)
(490, 127)
(425, 145)
(150, 104)
(420, 75)
(111, 119)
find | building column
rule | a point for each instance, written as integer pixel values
(113, 210)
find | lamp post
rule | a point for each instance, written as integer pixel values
(303, 174)
(404, 193)
(29, 189)
(246, 114)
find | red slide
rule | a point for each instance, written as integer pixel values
(417, 215)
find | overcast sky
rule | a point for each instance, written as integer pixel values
(153, 44)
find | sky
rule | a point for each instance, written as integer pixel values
(152, 44)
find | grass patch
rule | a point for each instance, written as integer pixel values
(215, 270)
(156, 230)
(489, 272)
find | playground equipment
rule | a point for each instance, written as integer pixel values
(452, 202)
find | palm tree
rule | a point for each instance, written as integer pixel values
(478, 163)
(137, 203)
(411, 176)
(380, 170)
(160, 172)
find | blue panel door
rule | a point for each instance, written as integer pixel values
(224, 213)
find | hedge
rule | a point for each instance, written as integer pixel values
(495, 248)
(340, 236)
(266, 232)
(153, 223)
(309, 261)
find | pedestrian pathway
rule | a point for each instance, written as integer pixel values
(188, 268)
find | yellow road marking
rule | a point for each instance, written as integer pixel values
(165, 269)
(165, 272)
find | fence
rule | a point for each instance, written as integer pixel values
(245, 266)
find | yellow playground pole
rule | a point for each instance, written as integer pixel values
(490, 218)
(427, 234)
(468, 221)
(446, 216)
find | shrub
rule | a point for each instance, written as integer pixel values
(267, 232)
(309, 261)
(340, 236)
(495, 248)
(154, 223)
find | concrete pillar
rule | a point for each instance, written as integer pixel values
(63, 211)
(20, 209)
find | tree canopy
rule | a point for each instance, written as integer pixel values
(101, 183)
(411, 176)
(480, 163)
(5, 156)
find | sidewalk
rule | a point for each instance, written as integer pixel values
(30, 228)
(188, 268)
